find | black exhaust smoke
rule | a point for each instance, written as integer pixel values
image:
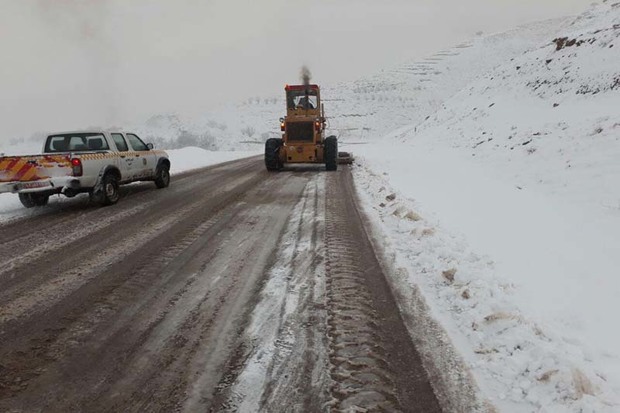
(305, 75)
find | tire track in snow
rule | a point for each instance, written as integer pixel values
(373, 363)
(284, 362)
(359, 371)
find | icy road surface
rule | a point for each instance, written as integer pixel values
(232, 290)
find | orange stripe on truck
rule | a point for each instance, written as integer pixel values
(29, 174)
(19, 173)
(12, 163)
(32, 168)
(16, 168)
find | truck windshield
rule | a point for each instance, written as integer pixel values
(75, 142)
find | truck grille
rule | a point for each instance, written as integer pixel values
(300, 131)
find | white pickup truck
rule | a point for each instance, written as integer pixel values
(94, 162)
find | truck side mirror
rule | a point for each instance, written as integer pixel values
(150, 146)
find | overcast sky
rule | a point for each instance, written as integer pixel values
(68, 64)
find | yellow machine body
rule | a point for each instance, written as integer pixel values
(303, 132)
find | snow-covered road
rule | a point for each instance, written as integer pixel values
(232, 290)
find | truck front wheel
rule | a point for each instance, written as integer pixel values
(162, 179)
(30, 200)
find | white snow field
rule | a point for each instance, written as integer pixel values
(491, 175)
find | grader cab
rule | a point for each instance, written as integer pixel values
(303, 132)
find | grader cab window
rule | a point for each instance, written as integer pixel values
(298, 99)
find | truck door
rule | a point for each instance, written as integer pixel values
(127, 163)
(146, 161)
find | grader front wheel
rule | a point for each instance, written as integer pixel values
(331, 153)
(272, 154)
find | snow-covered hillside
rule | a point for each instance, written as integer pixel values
(359, 111)
(507, 216)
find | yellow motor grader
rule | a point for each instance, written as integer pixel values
(303, 132)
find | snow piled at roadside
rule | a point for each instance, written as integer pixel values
(519, 362)
(503, 208)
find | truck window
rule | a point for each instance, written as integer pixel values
(121, 145)
(76, 142)
(56, 144)
(136, 143)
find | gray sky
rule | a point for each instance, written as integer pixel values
(68, 64)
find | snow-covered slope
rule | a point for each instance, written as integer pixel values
(507, 216)
(359, 111)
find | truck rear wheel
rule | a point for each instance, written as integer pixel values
(110, 193)
(30, 200)
(331, 153)
(272, 154)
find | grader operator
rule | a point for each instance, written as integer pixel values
(303, 132)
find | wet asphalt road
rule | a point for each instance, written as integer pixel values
(148, 305)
